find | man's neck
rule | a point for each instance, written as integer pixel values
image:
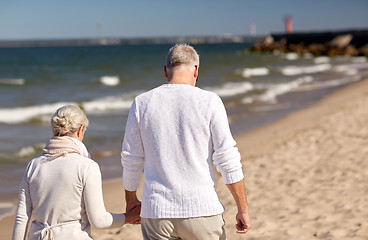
(181, 78)
(180, 81)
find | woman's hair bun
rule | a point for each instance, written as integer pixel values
(67, 120)
(61, 121)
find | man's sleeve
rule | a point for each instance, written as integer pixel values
(132, 154)
(226, 156)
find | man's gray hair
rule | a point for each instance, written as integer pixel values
(181, 54)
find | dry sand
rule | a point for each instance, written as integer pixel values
(306, 175)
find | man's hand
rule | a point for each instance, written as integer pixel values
(132, 216)
(242, 218)
(242, 223)
(131, 200)
(132, 204)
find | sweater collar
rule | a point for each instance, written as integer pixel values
(176, 85)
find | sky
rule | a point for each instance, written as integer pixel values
(74, 19)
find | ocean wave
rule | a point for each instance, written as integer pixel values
(122, 102)
(107, 103)
(351, 69)
(43, 112)
(271, 91)
(320, 60)
(357, 66)
(232, 89)
(329, 83)
(249, 72)
(29, 150)
(294, 70)
(110, 80)
(291, 56)
(359, 59)
(12, 81)
(24, 114)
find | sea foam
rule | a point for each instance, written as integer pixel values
(29, 150)
(232, 89)
(122, 102)
(12, 81)
(110, 80)
(359, 59)
(107, 103)
(24, 114)
(291, 56)
(320, 60)
(43, 112)
(294, 70)
(248, 72)
(330, 83)
(271, 91)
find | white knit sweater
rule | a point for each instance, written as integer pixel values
(62, 191)
(176, 132)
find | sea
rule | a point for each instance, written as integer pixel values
(256, 88)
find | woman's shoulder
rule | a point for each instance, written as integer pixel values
(37, 160)
(70, 159)
(82, 159)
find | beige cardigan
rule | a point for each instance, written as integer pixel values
(62, 191)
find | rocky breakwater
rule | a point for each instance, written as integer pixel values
(350, 43)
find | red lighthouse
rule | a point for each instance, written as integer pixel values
(288, 25)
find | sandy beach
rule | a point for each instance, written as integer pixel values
(306, 175)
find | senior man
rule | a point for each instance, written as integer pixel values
(175, 134)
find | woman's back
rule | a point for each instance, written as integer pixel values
(62, 189)
(56, 188)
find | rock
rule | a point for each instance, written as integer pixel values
(351, 51)
(341, 41)
(268, 41)
(317, 48)
(364, 50)
(351, 43)
(298, 48)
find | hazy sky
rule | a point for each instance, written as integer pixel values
(41, 19)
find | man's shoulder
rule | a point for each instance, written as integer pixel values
(207, 95)
(147, 93)
(206, 92)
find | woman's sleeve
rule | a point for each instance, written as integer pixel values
(24, 210)
(95, 207)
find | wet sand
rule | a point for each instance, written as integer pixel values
(306, 175)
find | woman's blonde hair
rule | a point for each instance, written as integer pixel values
(67, 120)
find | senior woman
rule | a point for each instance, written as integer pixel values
(61, 188)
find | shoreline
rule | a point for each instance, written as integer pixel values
(281, 214)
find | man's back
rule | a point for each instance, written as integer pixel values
(182, 129)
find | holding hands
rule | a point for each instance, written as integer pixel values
(132, 215)
(133, 208)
